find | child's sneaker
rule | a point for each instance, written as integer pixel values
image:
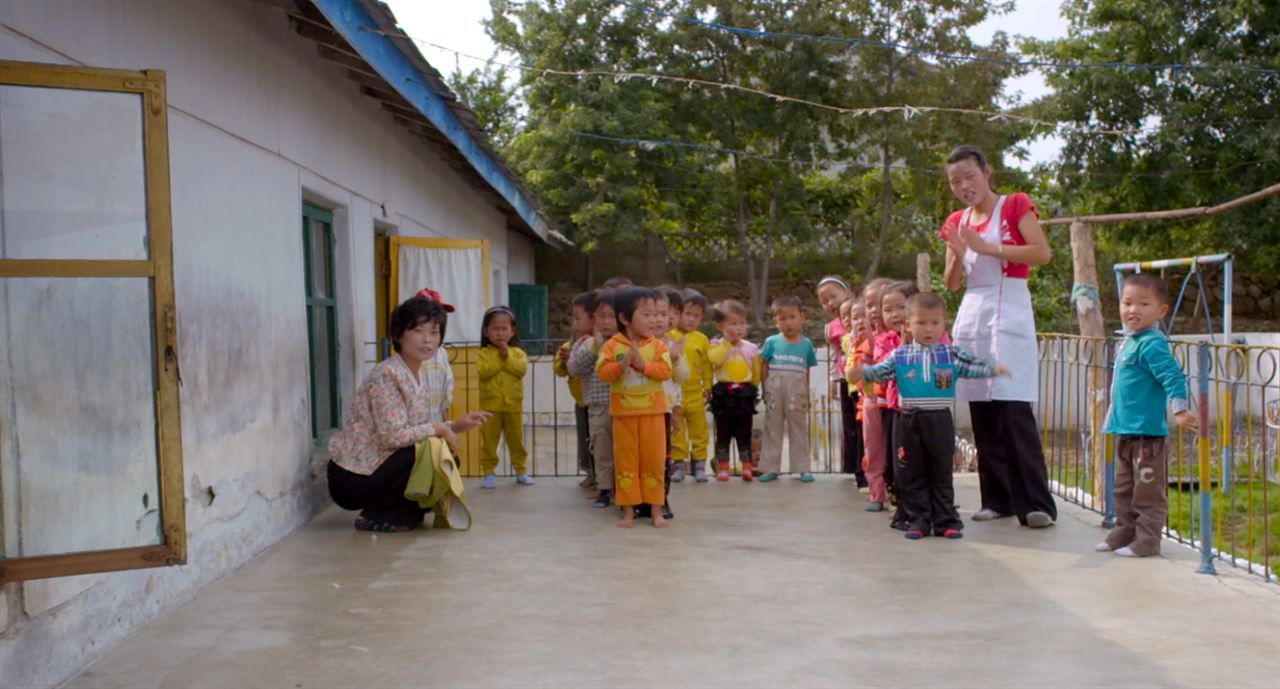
(677, 472)
(1126, 552)
(524, 479)
(723, 475)
(700, 472)
(806, 477)
(667, 513)
(952, 534)
(1103, 547)
(765, 478)
(864, 490)
(875, 507)
(746, 472)
(604, 500)
(490, 482)
(914, 535)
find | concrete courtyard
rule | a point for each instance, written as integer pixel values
(754, 585)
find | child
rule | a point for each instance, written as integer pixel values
(893, 311)
(582, 326)
(634, 362)
(1145, 375)
(854, 316)
(874, 439)
(851, 397)
(924, 435)
(733, 396)
(595, 392)
(833, 291)
(670, 305)
(689, 443)
(501, 367)
(785, 361)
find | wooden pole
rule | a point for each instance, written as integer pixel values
(923, 282)
(1093, 349)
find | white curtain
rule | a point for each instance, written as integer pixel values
(457, 274)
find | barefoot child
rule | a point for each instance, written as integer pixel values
(1146, 374)
(634, 362)
(926, 371)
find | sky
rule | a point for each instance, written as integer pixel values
(456, 24)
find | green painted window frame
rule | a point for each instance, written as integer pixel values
(313, 215)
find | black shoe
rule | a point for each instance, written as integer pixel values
(643, 511)
(901, 526)
(667, 513)
(605, 499)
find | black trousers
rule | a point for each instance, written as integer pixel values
(733, 427)
(927, 443)
(851, 440)
(1011, 471)
(380, 495)
(585, 463)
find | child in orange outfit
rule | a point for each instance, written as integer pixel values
(634, 363)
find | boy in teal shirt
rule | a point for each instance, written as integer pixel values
(786, 359)
(1145, 375)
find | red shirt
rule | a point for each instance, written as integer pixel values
(835, 331)
(886, 342)
(1016, 206)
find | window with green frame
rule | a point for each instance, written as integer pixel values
(322, 320)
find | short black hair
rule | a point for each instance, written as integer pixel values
(693, 296)
(960, 153)
(626, 300)
(788, 301)
(927, 301)
(672, 295)
(587, 301)
(493, 313)
(414, 312)
(906, 288)
(618, 282)
(1149, 281)
(604, 297)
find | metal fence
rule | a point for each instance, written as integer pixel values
(1223, 486)
(549, 426)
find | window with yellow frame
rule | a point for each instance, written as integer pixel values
(90, 446)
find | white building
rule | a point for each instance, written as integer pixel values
(285, 149)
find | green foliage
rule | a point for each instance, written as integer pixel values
(1211, 134)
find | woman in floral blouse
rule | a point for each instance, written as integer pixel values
(373, 455)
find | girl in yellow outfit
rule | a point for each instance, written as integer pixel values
(634, 363)
(736, 363)
(502, 365)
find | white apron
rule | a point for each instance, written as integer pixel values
(995, 321)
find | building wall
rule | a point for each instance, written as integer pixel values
(258, 123)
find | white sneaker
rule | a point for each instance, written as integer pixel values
(1125, 552)
(1039, 520)
(1102, 547)
(986, 515)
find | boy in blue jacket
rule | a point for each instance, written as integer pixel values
(924, 437)
(1146, 374)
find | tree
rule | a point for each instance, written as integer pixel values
(494, 101)
(1209, 130)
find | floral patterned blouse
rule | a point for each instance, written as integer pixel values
(392, 409)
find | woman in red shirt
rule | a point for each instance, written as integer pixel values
(991, 246)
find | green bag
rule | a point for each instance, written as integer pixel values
(435, 483)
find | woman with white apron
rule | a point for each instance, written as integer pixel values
(991, 246)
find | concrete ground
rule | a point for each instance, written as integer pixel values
(754, 585)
